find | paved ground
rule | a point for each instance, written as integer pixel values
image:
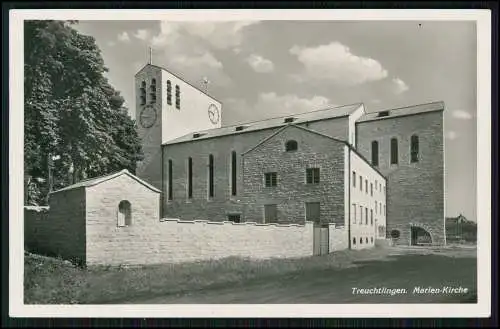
(401, 268)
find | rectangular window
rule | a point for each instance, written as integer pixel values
(394, 151)
(366, 216)
(354, 179)
(271, 179)
(312, 175)
(366, 186)
(169, 92)
(375, 153)
(360, 215)
(313, 212)
(236, 218)
(361, 183)
(270, 213)
(353, 216)
(376, 183)
(210, 176)
(371, 217)
(233, 173)
(371, 189)
(170, 192)
(190, 178)
(177, 97)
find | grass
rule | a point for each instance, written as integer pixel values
(53, 281)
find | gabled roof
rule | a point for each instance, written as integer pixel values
(285, 127)
(403, 111)
(98, 180)
(332, 139)
(178, 77)
(323, 114)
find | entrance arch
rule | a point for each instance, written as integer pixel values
(419, 235)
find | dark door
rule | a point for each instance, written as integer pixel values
(270, 213)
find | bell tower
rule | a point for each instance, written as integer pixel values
(168, 107)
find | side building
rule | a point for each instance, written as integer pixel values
(282, 170)
(407, 147)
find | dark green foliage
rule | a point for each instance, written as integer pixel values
(71, 110)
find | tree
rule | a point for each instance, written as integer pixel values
(71, 110)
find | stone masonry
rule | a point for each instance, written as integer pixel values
(415, 191)
(292, 191)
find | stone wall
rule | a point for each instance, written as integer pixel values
(104, 236)
(292, 191)
(175, 241)
(415, 191)
(337, 236)
(57, 230)
(36, 230)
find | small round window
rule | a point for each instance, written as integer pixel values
(291, 146)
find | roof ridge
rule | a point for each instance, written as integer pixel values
(291, 115)
(407, 107)
(299, 116)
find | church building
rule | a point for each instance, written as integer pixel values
(377, 174)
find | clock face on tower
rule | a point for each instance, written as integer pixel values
(148, 116)
(213, 113)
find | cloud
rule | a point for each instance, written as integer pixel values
(123, 37)
(205, 60)
(451, 135)
(399, 86)
(376, 101)
(142, 34)
(335, 62)
(189, 47)
(271, 104)
(460, 114)
(111, 43)
(260, 64)
(219, 35)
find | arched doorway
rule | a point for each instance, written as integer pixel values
(419, 236)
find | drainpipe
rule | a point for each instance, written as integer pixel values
(349, 197)
(162, 195)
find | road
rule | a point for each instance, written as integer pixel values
(336, 285)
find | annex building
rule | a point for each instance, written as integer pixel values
(378, 174)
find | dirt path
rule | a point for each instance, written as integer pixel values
(404, 269)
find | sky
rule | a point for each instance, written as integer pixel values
(262, 69)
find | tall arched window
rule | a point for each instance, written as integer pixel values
(142, 93)
(394, 151)
(354, 241)
(233, 173)
(169, 92)
(375, 153)
(124, 213)
(210, 176)
(414, 149)
(170, 190)
(152, 92)
(291, 145)
(190, 178)
(177, 97)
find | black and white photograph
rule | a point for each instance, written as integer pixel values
(264, 161)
